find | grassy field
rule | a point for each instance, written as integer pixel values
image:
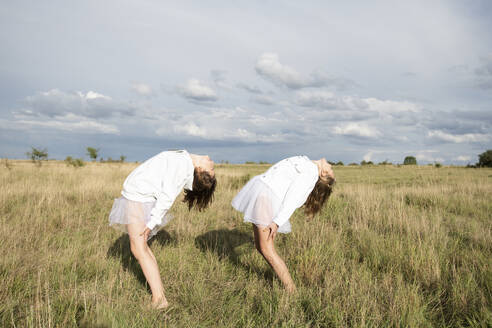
(395, 246)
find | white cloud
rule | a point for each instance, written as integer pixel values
(391, 106)
(269, 67)
(463, 158)
(57, 103)
(197, 91)
(191, 129)
(459, 138)
(356, 130)
(142, 89)
(329, 100)
(85, 126)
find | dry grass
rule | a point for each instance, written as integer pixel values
(408, 246)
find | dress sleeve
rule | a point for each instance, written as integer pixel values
(171, 186)
(296, 196)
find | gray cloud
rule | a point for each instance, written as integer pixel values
(249, 88)
(484, 72)
(55, 103)
(269, 67)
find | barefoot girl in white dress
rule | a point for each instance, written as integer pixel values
(269, 199)
(148, 193)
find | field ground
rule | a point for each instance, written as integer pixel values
(395, 246)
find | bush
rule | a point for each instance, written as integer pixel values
(75, 162)
(485, 159)
(339, 163)
(438, 165)
(353, 164)
(366, 163)
(410, 160)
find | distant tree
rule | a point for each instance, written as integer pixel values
(353, 164)
(37, 155)
(485, 159)
(385, 162)
(339, 163)
(366, 163)
(437, 165)
(263, 162)
(331, 163)
(92, 152)
(410, 160)
(249, 162)
(122, 158)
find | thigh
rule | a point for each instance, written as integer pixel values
(263, 213)
(136, 224)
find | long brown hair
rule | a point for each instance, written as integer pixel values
(318, 196)
(203, 190)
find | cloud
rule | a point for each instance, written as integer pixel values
(81, 126)
(56, 103)
(269, 67)
(197, 91)
(463, 158)
(264, 100)
(484, 72)
(356, 130)
(249, 88)
(328, 100)
(461, 138)
(142, 89)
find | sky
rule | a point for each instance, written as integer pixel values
(248, 81)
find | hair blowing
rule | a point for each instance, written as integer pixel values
(203, 190)
(318, 196)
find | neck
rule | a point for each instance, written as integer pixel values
(318, 164)
(195, 159)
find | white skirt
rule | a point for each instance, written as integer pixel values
(125, 211)
(259, 204)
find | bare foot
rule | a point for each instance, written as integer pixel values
(160, 304)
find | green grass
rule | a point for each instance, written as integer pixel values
(395, 246)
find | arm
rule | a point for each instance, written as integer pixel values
(296, 196)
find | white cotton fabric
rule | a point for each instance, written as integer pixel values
(158, 180)
(125, 211)
(274, 195)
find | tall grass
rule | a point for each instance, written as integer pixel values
(407, 246)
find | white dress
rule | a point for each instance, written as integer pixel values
(150, 190)
(274, 195)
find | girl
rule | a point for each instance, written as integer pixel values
(148, 193)
(268, 200)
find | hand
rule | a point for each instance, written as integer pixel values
(272, 227)
(145, 234)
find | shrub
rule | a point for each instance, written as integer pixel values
(340, 163)
(366, 163)
(438, 165)
(75, 162)
(353, 164)
(410, 160)
(485, 159)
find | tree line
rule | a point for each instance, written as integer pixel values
(38, 155)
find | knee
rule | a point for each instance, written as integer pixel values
(137, 248)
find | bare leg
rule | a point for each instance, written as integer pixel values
(148, 263)
(266, 248)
